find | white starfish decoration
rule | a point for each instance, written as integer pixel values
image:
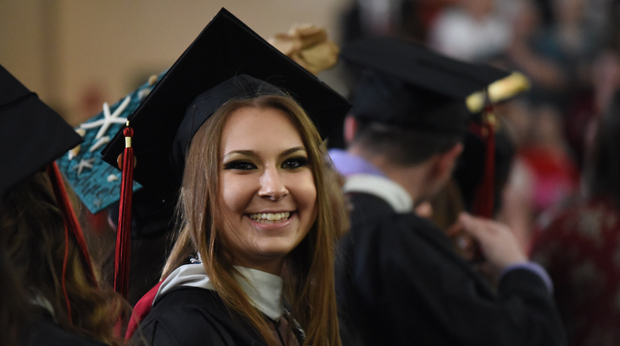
(98, 144)
(83, 164)
(108, 119)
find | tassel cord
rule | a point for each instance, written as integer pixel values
(123, 235)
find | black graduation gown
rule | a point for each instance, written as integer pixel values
(399, 282)
(195, 316)
(44, 332)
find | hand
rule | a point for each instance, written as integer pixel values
(497, 242)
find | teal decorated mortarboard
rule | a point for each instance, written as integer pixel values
(95, 182)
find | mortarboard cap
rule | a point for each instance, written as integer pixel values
(32, 135)
(407, 84)
(96, 183)
(225, 48)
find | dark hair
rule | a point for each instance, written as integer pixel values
(469, 171)
(400, 145)
(604, 174)
(13, 313)
(34, 228)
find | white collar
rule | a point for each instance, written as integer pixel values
(394, 194)
(263, 289)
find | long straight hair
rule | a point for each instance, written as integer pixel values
(308, 273)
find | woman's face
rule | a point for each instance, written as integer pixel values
(266, 186)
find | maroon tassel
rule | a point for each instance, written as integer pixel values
(71, 221)
(72, 226)
(485, 194)
(123, 231)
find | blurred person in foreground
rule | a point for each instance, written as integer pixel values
(580, 248)
(44, 256)
(399, 280)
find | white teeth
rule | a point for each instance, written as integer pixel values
(269, 217)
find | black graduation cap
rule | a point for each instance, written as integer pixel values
(32, 135)
(225, 48)
(409, 85)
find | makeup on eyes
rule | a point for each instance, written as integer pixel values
(244, 159)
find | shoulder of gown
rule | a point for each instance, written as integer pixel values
(193, 316)
(44, 332)
(403, 268)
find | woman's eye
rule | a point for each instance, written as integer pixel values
(295, 162)
(239, 165)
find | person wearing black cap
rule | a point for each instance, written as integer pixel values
(259, 214)
(43, 249)
(399, 280)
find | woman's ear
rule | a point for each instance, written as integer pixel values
(350, 128)
(446, 161)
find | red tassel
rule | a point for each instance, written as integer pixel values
(485, 194)
(123, 232)
(72, 226)
(63, 280)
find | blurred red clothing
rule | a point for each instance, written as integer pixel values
(554, 174)
(581, 251)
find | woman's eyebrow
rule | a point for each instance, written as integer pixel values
(250, 153)
(292, 150)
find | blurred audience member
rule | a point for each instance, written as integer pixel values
(543, 174)
(547, 78)
(581, 247)
(472, 31)
(374, 18)
(553, 171)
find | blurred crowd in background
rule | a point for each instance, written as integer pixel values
(568, 49)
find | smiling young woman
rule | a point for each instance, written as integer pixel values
(256, 194)
(227, 134)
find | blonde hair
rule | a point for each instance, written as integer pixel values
(35, 247)
(308, 270)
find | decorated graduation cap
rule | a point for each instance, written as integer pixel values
(406, 84)
(32, 136)
(97, 183)
(227, 60)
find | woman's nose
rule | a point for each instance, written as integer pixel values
(271, 185)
